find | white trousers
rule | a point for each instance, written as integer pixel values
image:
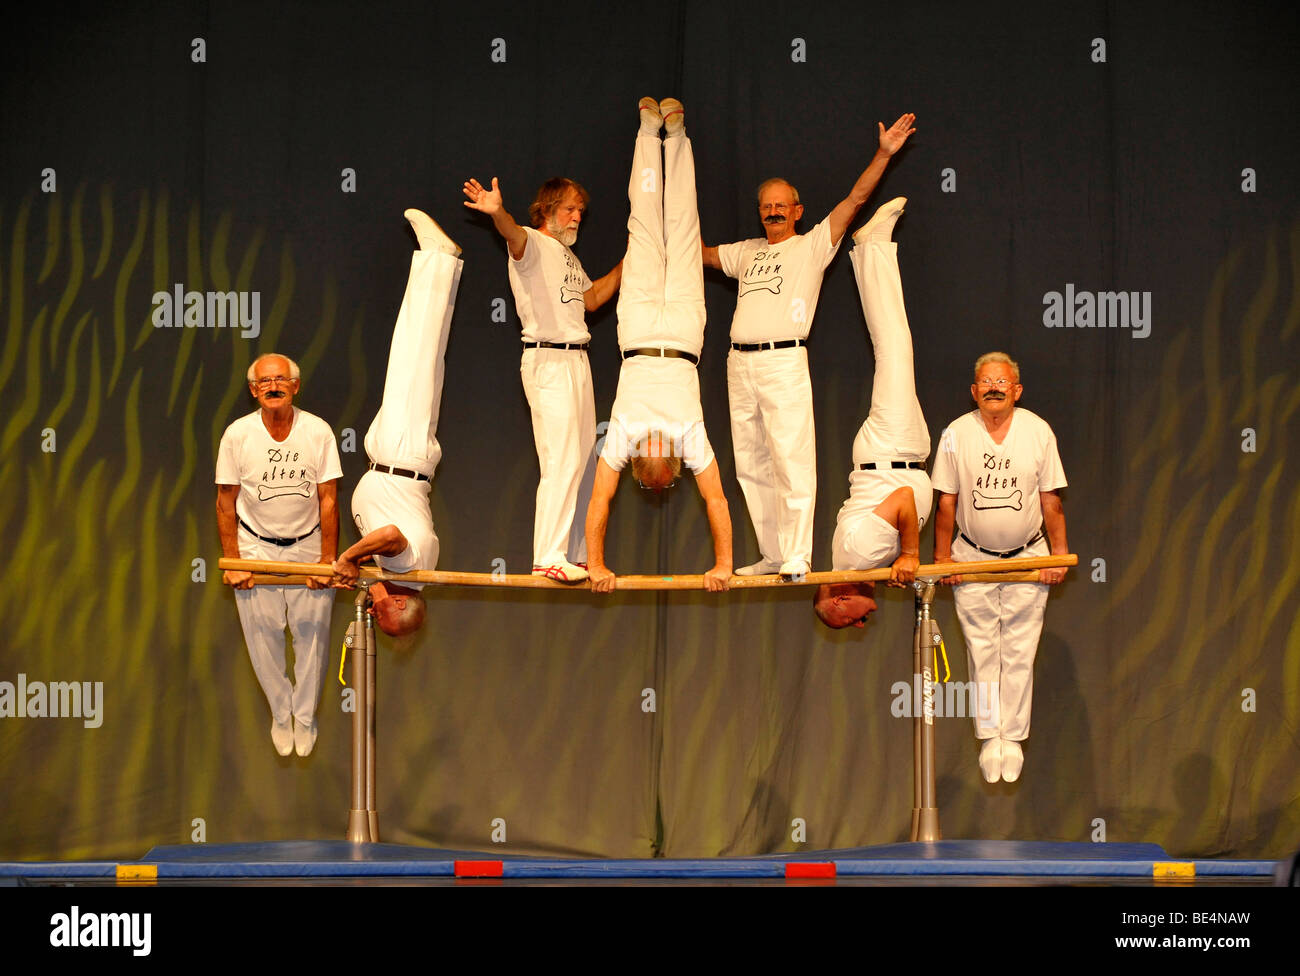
(661, 297)
(557, 383)
(404, 432)
(1001, 623)
(895, 427)
(774, 437)
(264, 611)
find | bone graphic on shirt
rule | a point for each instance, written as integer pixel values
(772, 284)
(568, 294)
(268, 491)
(983, 501)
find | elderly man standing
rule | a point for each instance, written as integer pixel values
(552, 293)
(657, 422)
(277, 498)
(998, 474)
(767, 370)
(390, 504)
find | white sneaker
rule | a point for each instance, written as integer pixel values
(429, 234)
(794, 568)
(1013, 760)
(674, 117)
(562, 572)
(991, 759)
(651, 120)
(881, 225)
(760, 568)
(304, 737)
(282, 736)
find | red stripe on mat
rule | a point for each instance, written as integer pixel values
(810, 869)
(478, 869)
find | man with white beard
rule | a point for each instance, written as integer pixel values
(552, 293)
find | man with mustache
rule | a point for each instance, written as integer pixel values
(657, 423)
(767, 370)
(552, 294)
(277, 498)
(390, 504)
(998, 475)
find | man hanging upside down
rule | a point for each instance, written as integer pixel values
(391, 502)
(657, 422)
(889, 491)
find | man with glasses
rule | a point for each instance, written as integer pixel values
(998, 474)
(277, 480)
(889, 493)
(772, 432)
(657, 422)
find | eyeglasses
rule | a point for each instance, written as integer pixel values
(266, 381)
(989, 384)
(670, 484)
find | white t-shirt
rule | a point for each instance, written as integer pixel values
(548, 282)
(383, 499)
(277, 479)
(779, 283)
(997, 485)
(657, 394)
(864, 540)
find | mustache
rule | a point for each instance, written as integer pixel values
(995, 395)
(774, 219)
(276, 395)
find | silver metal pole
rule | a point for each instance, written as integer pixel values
(358, 817)
(372, 810)
(925, 812)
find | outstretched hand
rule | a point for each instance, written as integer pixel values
(892, 139)
(484, 201)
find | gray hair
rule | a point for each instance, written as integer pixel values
(293, 367)
(778, 180)
(997, 357)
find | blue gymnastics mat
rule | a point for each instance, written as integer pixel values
(950, 858)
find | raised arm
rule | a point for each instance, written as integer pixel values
(489, 202)
(899, 510)
(891, 140)
(602, 289)
(602, 491)
(228, 528)
(715, 502)
(387, 541)
(1054, 525)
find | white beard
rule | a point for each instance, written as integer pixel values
(566, 236)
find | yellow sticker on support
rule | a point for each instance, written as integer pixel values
(147, 873)
(1173, 869)
(342, 660)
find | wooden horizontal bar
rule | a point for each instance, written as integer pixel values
(441, 577)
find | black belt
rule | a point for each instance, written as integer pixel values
(668, 353)
(1000, 555)
(779, 344)
(896, 465)
(399, 471)
(277, 542)
(556, 345)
